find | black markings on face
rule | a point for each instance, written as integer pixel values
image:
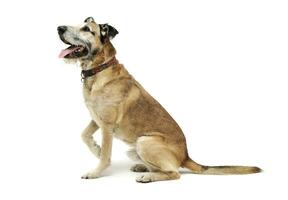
(87, 29)
(94, 52)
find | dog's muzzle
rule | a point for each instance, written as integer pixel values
(73, 51)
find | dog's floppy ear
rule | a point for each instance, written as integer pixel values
(89, 19)
(107, 32)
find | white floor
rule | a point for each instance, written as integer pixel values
(58, 177)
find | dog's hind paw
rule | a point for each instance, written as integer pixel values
(146, 178)
(139, 168)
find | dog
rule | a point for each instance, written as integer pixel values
(123, 109)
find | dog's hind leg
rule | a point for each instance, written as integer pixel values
(140, 167)
(87, 137)
(132, 154)
(161, 161)
(105, 156)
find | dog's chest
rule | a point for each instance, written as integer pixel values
(108, 112)
(104, 104)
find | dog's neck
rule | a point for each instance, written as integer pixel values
(98, 68)
(110, 70)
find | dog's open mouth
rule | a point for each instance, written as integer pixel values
(74, 51)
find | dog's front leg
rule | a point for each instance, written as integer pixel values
(87, 137)
(105, 156)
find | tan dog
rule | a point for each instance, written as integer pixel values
(120, 106)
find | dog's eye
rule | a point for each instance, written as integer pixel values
(85, 28)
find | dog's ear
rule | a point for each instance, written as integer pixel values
(89, 19)
(107, 32)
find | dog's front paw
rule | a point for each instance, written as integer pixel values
(90, 175)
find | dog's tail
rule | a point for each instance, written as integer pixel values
(219, 170)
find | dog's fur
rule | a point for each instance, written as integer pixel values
(121, 108)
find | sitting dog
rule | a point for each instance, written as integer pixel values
(121, 108)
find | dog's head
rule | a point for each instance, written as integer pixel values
(86, 40)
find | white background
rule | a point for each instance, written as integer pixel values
(219, 68)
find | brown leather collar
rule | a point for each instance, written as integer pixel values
(97, 69)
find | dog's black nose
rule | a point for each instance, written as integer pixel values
(61, 29)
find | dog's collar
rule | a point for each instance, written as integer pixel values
(97, 69)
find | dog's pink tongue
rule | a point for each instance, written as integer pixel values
(65, 52)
